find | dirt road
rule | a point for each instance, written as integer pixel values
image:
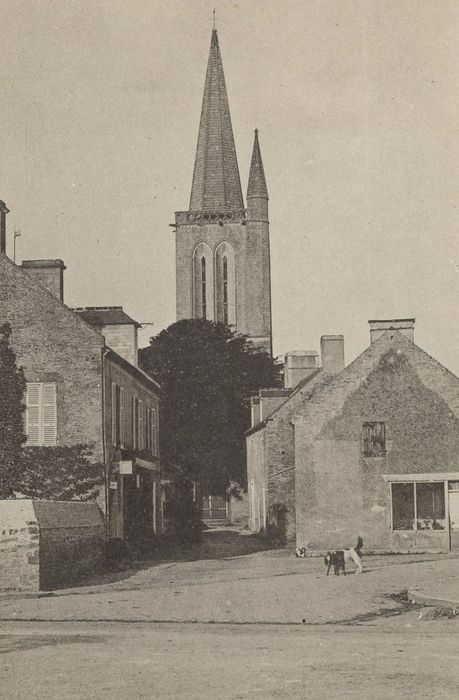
(390, 659)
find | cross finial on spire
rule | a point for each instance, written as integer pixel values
(213, 19)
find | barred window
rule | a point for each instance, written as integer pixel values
(374, 439)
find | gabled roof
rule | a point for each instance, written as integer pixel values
(310, 380)
(216, 183)
(329, 399)
(99, 316)
(34, 284)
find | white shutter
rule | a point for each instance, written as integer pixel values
(114, 436)
(49, 415)
(33, 401)
(121, 416)
(41, 414)
(141, 445)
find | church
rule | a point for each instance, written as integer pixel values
(222, 246)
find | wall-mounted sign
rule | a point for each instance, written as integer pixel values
(125, 466)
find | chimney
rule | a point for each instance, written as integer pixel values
(405, 326)
(3, 212)
(49, 273)
(118, 329)
(298, 365)
(254, 410)
(332, 353)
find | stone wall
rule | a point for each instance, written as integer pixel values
(340, 493)
(250, 242)
(46, 544)
(54, 345)
(19, 546)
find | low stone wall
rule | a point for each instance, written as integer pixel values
(45, 544)
(19, 546)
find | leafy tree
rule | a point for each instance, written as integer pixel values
(207, 374)
(60, 473)
(12, 387)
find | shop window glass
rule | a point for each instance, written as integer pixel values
(403, 506)
(430, 506)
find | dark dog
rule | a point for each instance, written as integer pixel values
(340, 557)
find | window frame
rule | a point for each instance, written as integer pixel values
(371, 425)
(415, 527)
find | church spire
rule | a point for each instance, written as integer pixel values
(257, 192)
(216, 183)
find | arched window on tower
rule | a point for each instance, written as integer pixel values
(225, 289)
(203, 284)
(203, 288)
(225, 282)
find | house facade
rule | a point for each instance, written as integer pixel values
(84, 387)
(372, 450)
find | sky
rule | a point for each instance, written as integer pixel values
(356, 102)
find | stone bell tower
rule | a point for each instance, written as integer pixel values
(222, 248)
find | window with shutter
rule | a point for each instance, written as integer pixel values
(114, 414)
(141, 434)
(49, 414)
(134, 423)
(148, 429)
(33, 414)
(41, 414)
(154, 438)
(121, 416)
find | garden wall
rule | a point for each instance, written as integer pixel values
(47, 544)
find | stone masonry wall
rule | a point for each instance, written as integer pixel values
(251, 247)
(341, 494)
(45, 544)
(54, 345)
(19, 547)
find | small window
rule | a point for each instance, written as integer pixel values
(374, 439)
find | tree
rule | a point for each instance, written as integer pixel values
(12, 387)
(60, 473)
(207, 374)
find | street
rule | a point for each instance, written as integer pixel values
(235, 623)
(387, 659)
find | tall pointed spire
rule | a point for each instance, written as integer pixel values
(216, 183)
(257, 192)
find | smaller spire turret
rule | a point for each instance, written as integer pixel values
(257, 192)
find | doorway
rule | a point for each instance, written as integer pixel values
(453, 497)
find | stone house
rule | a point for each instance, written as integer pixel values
(371, 450)
(84, 386)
